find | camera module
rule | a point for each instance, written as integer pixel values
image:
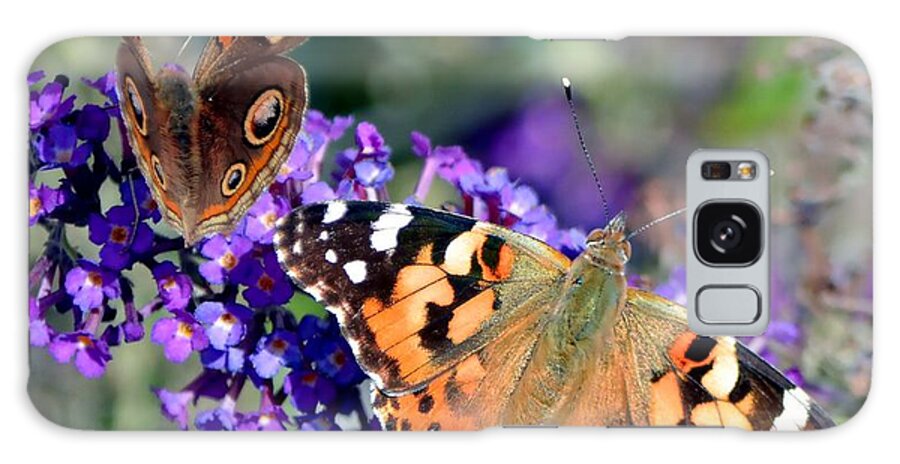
(728, 233)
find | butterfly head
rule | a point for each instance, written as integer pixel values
(609, 246)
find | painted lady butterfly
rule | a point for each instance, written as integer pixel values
(463, 325)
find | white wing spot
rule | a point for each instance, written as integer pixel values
(298, 247)
(331, 256)
(281, 255)
(277, 238)
(335, 211)
(794, 415)
(323, 236)
(388, 225)
(356, 271)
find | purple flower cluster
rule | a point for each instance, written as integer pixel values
(227, 301)
(490, 195)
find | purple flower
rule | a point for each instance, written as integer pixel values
(174, 405)
(269, 417)
(147, 207)
(307, 389)
(421, 144)
(370, 142)
(572, 241)
(56, 145)
(92, 124)
(220, 418)
(309, 149)
(296, 166)
(89, 284)
(368, 164)
(274, 352)
(493, 183)
(180, 336)
(224, 255)
(39, 333)
(336, 361)
(231, 359)
(174, 287)
(266, 282)
(317, 125)
(42, 201)
(105, 84)
(35, 77)
(324, 422)
(316, 192)
(521, 200)
(91, 355)
(122, 236)
(259, 224)
(225, 324)
(48, 104)
(450, 163)
(540, 223)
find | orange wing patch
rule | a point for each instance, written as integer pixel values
(225, 41)
(424, 301)
(666, 402)
(469, 317)
(439, 406)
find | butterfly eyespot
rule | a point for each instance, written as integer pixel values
(263, 117)
(136, 105)
(158, 171)
(234, 178)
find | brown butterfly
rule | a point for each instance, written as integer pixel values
(210, 143)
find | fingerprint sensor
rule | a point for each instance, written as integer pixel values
(725, 304)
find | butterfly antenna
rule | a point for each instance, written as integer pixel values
(567, 86)
(183, 47)
(654, 222)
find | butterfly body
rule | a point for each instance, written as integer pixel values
(210, 143)
(464, 325)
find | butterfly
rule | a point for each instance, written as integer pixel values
(211, 143)
(463, 325)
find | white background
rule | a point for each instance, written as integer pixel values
(29, 26)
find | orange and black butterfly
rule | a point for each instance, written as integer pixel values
(464, 325)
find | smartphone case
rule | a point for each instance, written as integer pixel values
(270, 233)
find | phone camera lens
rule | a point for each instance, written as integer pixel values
(728, 233)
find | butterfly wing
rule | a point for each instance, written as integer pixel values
(224, 53)
(249, 119)
(142, 114)
(473, 394)
(656, 372)
(418, 291)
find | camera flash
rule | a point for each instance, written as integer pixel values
(746, 170)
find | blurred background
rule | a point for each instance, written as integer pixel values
(645, 105)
